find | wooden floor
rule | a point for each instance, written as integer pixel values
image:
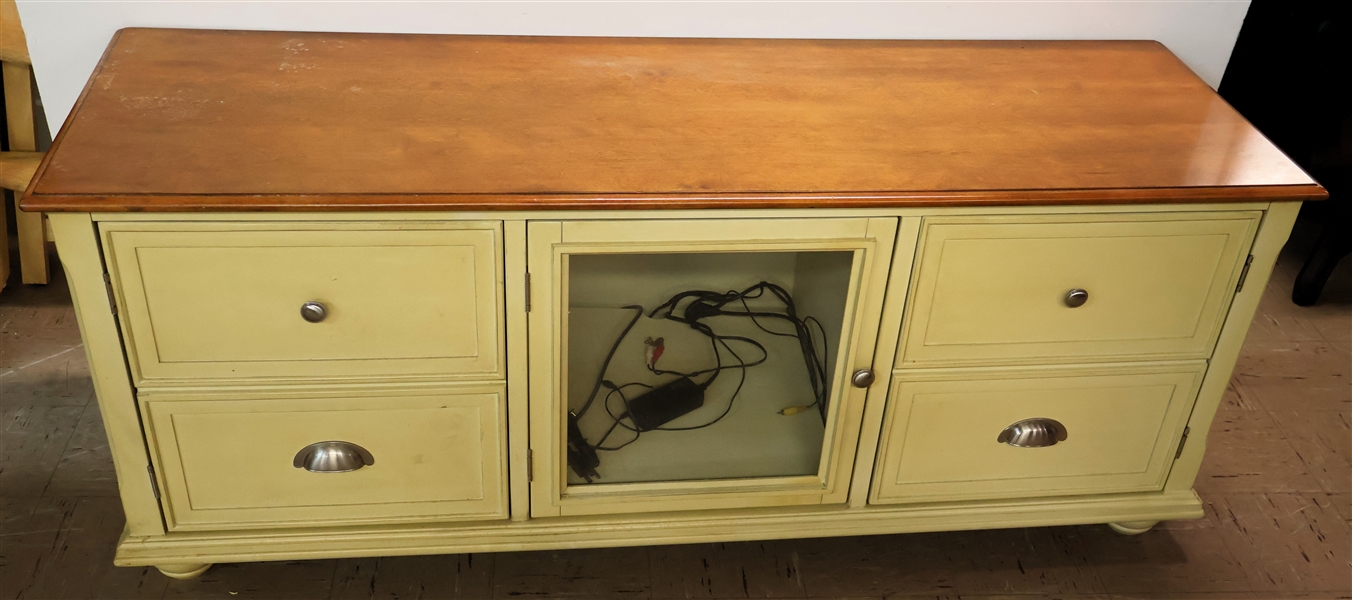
(1277, 485)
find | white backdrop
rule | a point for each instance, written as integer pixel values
(66, 38)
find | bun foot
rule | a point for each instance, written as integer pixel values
(1132, 527)
(183, 570)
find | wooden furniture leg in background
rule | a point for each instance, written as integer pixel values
(4, 247)
(22, 138)
(16, 169)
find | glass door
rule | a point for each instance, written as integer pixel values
(686, 365)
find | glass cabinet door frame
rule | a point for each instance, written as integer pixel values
(871, 241)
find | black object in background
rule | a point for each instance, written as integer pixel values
(1291, 76)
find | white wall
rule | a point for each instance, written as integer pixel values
(66, 38)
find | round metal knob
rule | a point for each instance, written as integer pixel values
(862, 378)
(313, 312)
(1033, 433)
(1076, 298)
(332, 457)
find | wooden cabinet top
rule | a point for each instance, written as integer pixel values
(179, 120)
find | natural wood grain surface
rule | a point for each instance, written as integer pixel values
(17, 168)
(220, 120)
(22, 133)
(13, 44)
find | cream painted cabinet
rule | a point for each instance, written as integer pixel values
(542, 382)
(443, 294)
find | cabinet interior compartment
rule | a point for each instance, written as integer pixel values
(753, 439)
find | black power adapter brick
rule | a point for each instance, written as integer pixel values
(660, 405)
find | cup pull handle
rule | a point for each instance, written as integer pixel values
(1033, 433)
(332, 457)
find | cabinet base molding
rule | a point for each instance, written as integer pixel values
(660, 529)
(183, 570)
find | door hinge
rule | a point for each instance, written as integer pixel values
(1182, 442)
(154, 487)
(108, 287)
(530, 465)
(527, 292)
(1244, 274)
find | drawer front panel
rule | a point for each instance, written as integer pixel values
(992, 290)
(204, 301)
(229, 463)
(942, 431)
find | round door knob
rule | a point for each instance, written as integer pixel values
(332, 457)
(313, 312)
(1076, 298)
(862, 378)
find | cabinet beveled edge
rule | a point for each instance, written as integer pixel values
(150, 203)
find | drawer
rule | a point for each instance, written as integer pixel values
(223, 300)
(942, 432)
(229, 463)
(993, 290)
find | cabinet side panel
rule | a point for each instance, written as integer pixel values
(77, 245)
(1273, 231)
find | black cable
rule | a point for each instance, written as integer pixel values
(618, 419)
(822, 365)
(740, 382)
(704, 304)
(606, 365)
